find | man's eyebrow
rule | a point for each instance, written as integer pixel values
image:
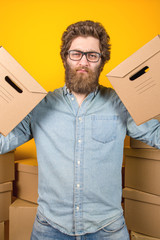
(88, 50)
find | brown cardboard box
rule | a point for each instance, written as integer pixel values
(5, 200)
(138, 144)
(138, 236)
(21, 216)
(19, 92)
(4, 230)
(142, 169)
(26, 180)
(7, 167)
(142, 212)
(136, 81)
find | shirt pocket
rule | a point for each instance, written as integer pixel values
(104, 128)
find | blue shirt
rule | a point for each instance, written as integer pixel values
(80, 153)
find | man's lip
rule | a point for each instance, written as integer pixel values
(82, 70)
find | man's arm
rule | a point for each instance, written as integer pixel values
(148, 132)
(19, 135)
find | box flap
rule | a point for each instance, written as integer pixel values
(16, 71)
(19, 203)
(147, 153)
(136, 59)
(28, 165)
(138, 236)
(157, 117)
(5, 187)
(136, 195)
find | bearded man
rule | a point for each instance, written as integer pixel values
(79, 131)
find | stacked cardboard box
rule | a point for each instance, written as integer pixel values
(22, 211)
(137, 236)
(142, 190)
(21, 218)
(138, 144)
(26, 180)
(6, 177)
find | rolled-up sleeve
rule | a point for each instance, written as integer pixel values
(19, 135)
(148, 132)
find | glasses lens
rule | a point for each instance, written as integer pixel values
(75, 55)
(93, 57)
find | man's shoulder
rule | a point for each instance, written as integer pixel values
(57, 91)
(54, 94)
(109, 94)
(107, 91)
(50, 99)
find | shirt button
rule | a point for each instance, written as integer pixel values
(80, 119)
(78, 185)
(72, 98)
(79, 140)
(77, 208)
(78, 162)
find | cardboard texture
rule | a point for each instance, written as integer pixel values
(138, 144)
(138, 236)
(142, 212)
(137, 82)
(5, 200)
(2, 231)
(6, 230)
(26, 180)
(21, 216)
(19, 92)
(7, 167)
(142, 170)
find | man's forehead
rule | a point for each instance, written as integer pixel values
(85, 44)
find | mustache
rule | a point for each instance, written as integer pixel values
(82, 68)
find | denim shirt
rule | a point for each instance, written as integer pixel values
(80, 154)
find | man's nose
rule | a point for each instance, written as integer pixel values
(83, 61)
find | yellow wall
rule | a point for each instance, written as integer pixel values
(30, 30)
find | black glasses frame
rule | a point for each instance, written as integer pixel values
(84, 53)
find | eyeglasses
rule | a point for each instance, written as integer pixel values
(76, 55)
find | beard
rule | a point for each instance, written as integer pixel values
(81, 82)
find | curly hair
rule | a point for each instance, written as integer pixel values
(85, 29)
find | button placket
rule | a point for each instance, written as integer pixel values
(79, 174)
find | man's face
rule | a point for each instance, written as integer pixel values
(82, 75)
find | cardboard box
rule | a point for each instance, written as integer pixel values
(136, 81)
(26, 180)
(7, 173)
(142, 170)
(4, 230)
(5, 200)
(142, 212)
(138, 144)
(21, 216)
(138, 236)
(19, 92)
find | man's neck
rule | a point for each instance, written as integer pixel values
(80, 97)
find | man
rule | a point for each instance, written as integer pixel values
(79, 132)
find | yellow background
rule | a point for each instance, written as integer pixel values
(30, 30)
